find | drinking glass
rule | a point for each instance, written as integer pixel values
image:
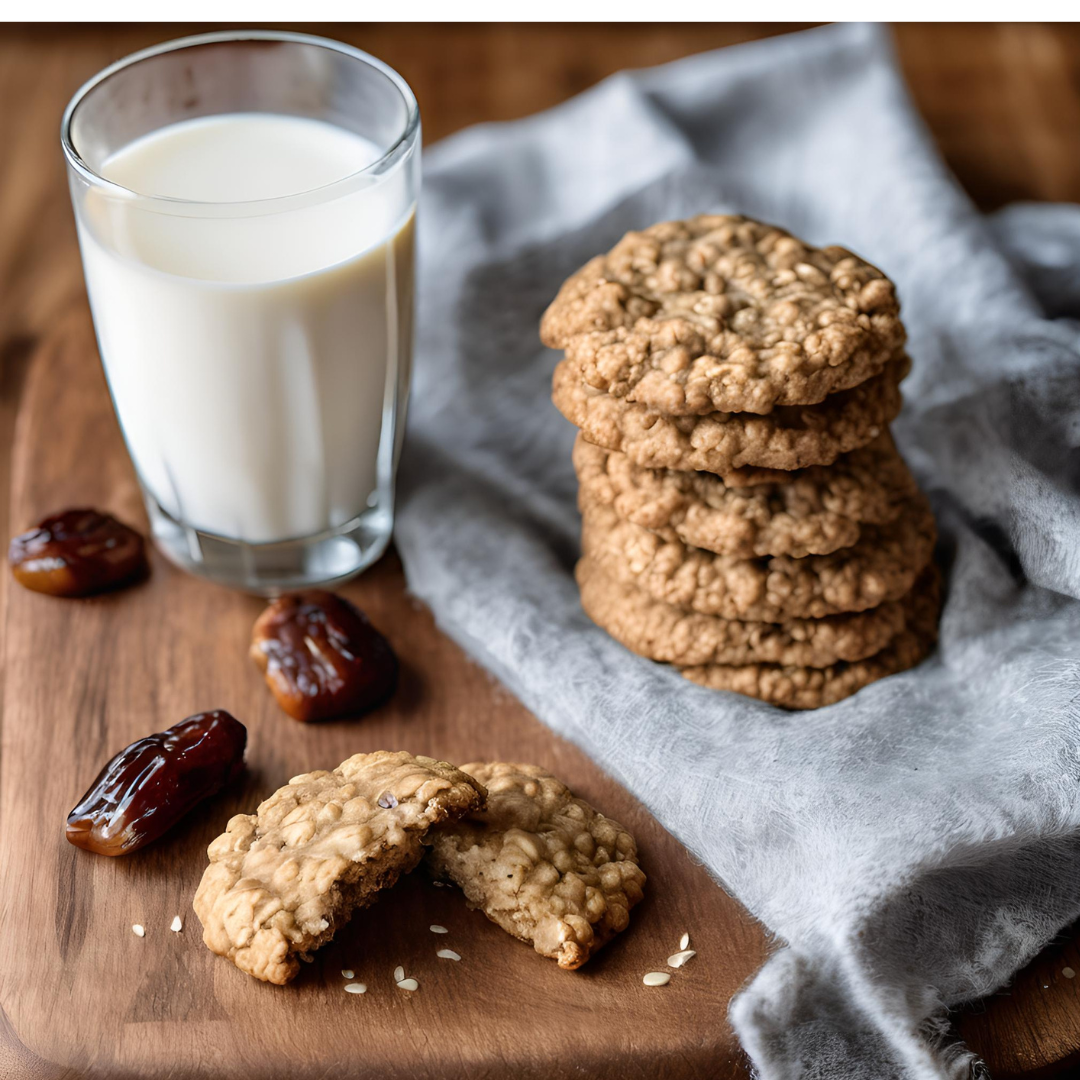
(257, 350)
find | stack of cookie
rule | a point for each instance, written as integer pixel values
(746, 515)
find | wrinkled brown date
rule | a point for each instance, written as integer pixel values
(321, 657)
(77, 553)
(150, 785)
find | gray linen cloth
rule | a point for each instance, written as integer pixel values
(913, 846)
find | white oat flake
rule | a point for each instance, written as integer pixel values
(408, 984)
(347, 973)
(399, 973)
(355, 988)
(657, 978)
(676, 960)
(448, 954)
(138, 930)
(1068, 973)
(435, 928)
(176, 925)
(684, 941)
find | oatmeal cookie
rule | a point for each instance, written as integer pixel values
(721, 313)
(283, 880)
(810, 688)
(543, 865)
(791, 437)
(813, 512)
(661, 631)
(881, 567)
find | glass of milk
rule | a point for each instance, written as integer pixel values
(245, 204)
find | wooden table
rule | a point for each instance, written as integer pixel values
(1004, 105)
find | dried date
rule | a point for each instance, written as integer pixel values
(321, 657)
(155, 781)
(77, 553)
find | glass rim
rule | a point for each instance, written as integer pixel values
(76, 162)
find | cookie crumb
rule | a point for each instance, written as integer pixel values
(657, 978)
(355, 988)
(408, 984)
(176, 925)
(684, 942)
(1068, 973)
(435, 928)
(347, 973)
(138, 930)
(676, 960)
(448, 954)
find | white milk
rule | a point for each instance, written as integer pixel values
(252, 351)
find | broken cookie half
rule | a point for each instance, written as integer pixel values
(542, 864)
(283, 880)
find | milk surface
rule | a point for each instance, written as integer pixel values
(253, 345)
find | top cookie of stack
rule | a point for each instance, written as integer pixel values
(688, 322)
(728, 376)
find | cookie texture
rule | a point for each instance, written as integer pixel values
(721, 313)
(545, 866)
(283, 880)
(881, 567)
(791, 437)
(796, 687)
(813, 511)
(664, 632)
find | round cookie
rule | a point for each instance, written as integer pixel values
(881, 567)
(813, 511)
(791, 437)
(721, 313)
(661, 631)
(809, 688)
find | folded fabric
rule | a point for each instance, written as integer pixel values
(913, 845)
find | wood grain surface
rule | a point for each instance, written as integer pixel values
(80, 994)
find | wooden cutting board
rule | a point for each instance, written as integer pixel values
(82, 995)
(78, 680)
